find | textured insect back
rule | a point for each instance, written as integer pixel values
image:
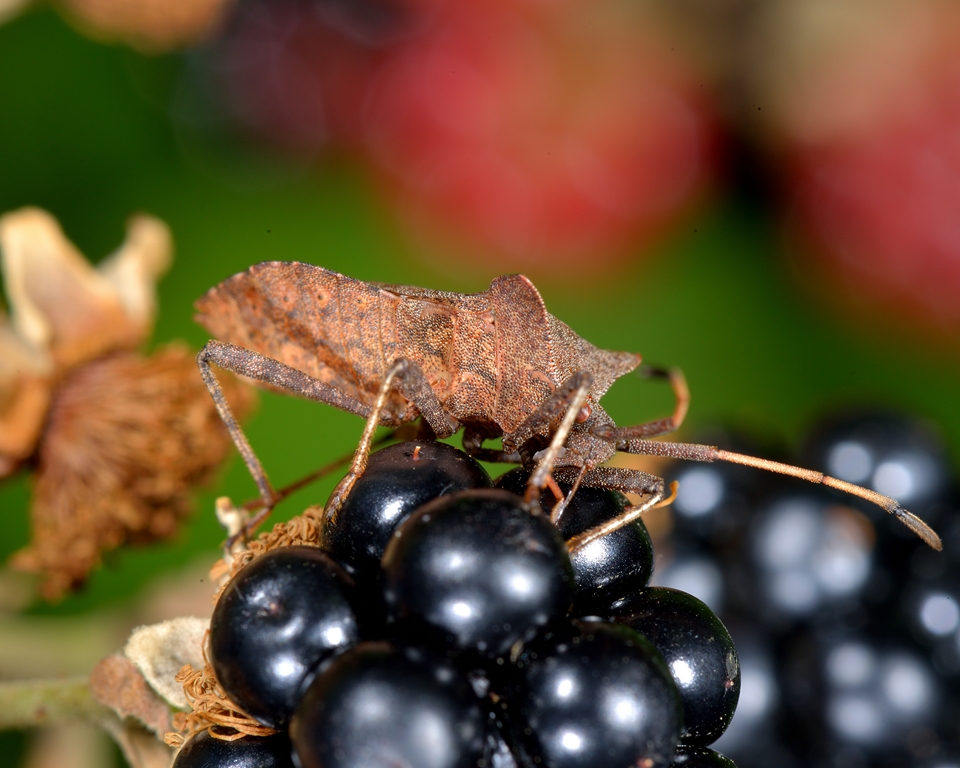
(573, 353)
(311, 318)
(525, 368)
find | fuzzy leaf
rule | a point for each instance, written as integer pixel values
(160, 651)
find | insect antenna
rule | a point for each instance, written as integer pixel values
(710, 453)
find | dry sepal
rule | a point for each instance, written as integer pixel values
(139, 685)
(114, 439)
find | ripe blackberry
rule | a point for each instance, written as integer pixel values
(383, 704)
(205, 751)
(397, 480)
(474, 650)
(477, 570)
(607, 568)
(810, 557)
(699, 653)
(700, 757)
(277, 619)
(867, 694)
(893, 454)
(593, 694)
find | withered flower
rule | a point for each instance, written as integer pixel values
(113, 438)
(150, 25)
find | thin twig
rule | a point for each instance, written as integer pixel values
(28, 703)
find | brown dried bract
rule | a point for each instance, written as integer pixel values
(126, 439)
(64, 312)
(212, 711)
(302, 530)
(117, 683)
(115, 439)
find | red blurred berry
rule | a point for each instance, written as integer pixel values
(541, 134)
(866, 104)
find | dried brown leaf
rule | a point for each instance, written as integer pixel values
(65, 312)
(24, 401)
(133, 270)
(117, 682)
(140, 747)
(126, 438)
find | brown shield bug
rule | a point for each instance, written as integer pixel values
(495, 364)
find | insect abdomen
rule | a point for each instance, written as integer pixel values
(330, 326)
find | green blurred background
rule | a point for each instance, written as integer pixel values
(85, 134)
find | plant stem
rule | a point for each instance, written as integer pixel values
(27, 703)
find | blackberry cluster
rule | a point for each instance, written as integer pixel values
(847, 627)
(442, 625)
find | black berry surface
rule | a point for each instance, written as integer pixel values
(205, 751)
(477, 570)
(887, 452)
(699, 653)
(379, 705)
(609, 567)
(594, 695)
(872, 693)
(810, 556)
(397, 480)
(701, 757)
(279, 617)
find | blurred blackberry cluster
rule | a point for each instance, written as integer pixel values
(847, 627)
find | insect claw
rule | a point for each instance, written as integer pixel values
(917, 525)
(531, 500)
(674, 487)
(645, 371)
(561, 452)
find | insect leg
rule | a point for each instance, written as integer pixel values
(204, 358)
(550, 411)
(620, 479)
(660, 426)
(708, 453)
(630, 514)
(256, 366)
(473, 445)
(542, 475)
(650, 487)
(405, 376)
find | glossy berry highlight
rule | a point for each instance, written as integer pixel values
(478, 571)
(280, 616)
(397, 480)
(699, 652)
(594, 695)
(381, 704)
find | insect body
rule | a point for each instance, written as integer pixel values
(495, 364)
(490, 358)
